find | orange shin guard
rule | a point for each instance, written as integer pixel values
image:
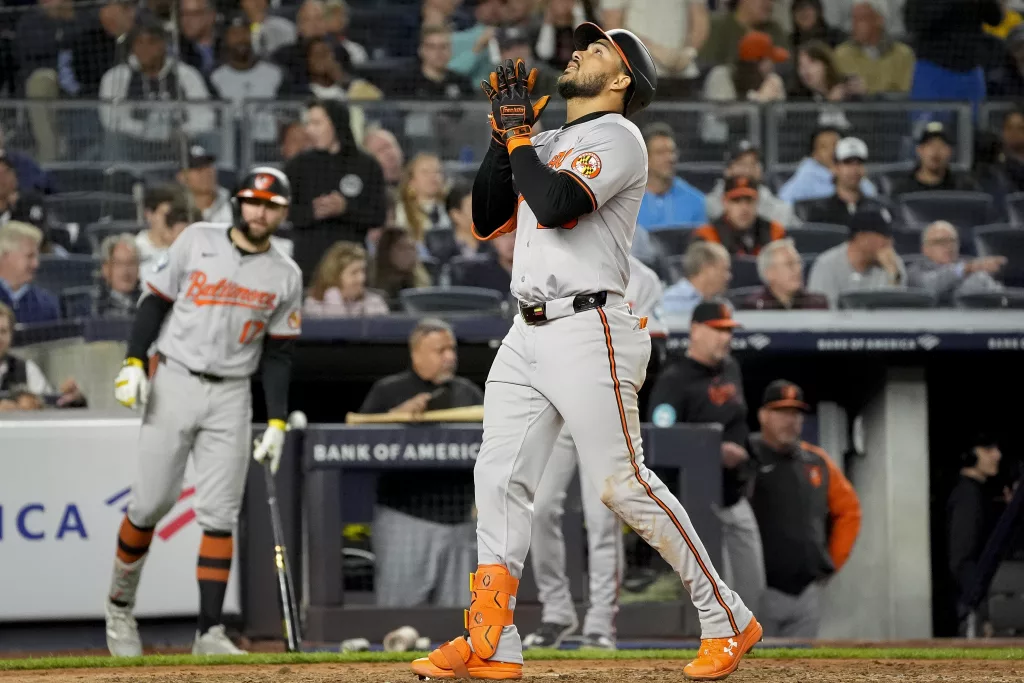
(490, 611)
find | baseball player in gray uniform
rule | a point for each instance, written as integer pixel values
(605, 555)
(230, 300)
(576, 354)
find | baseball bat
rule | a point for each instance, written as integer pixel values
(286, 588)
(466, 414)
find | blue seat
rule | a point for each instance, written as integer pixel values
(450, 300)
(965, 210)
(91, 207)
(814, 238)
(744, 272)
(1003, 240)
(56, 274)
(441, 244)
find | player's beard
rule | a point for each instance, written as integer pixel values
(582, 87)
(258, 242)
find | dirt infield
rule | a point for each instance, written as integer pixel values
(578, 671)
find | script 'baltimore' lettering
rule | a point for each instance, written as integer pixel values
(224, 292)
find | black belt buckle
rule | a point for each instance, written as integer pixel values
(536, 313)
(533, 314)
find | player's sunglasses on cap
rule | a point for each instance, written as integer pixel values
(784, 394)
(740, 186)
(716, 314)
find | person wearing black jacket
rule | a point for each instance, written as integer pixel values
(970, 516)
(948, 43)
(339, 190)
(706, 386)
(933, 172)
(849, 198)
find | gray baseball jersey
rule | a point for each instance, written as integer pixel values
(225, 302)
(607, 156)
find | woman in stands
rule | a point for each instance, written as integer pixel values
(396, 265)
(753, 77)
(818, 78)
(421, 197)
(339, 286)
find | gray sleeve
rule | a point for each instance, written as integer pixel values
(821, 281)
(938, 281)
(286, 320)
(979, 282)
(166, 275)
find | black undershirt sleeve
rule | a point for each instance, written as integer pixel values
(277, 371)
(555, 197)
(494, 195)
(146, 327)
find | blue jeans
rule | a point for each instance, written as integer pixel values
(932, 82)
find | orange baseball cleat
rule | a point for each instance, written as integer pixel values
(455, 659)
(719, 657)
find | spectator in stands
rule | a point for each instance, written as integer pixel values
(722, 45)
(199, 179)
(423, 528)
(433, 80)
(439, 12)
(839, 13)
(990, 167)
(883, 64)
(150, 75)
(782, 271)
(336, 18)
(807, 512)
(809, 23)
(705, 386)
(739, 229)
(520, 13)
(117, 294)
(22, 384)
(293, 140)
(675, 31)
(198, 21)
(383, 146)
(849, 197)
(752, 77)
(396, 265)
(669, 200)
(554, 45)
(493, 270)
(1013, 146)
(339, 286)
(1006, 80)
(707, 270)
(98, 47)
(459, 207)
(948, 42)
(19, 260)
(310, 25)
(338, 191)
(329, 77)
(815, 176)
(269, 33)
(514, 43)
(970, 519)
(422, 196)
(31, 176)
(472, 55)
(933, 172)
(159, 234)
(744, 159)
(818, 78)
(16, 205)
(866, 261)
(244, 76)
(943, 273)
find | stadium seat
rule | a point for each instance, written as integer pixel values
(97, 232)
(739, 295)
(433, 267)
(672, 240)
(777, 179)
(115, 179)
(744, 271)
(76, 302)
(906, 242)
(450, 300)
(812, 238)
(890, 297)
(702, 178)
(1015, 208)
(1012, 297)
(885, 181)
(965, 210)
(460, 269)
(441, 244)
(56, 274)
(1003, 240)
(92, 207)
(61, 236)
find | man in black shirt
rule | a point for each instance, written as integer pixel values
(849, 173)
(934, 151)
(339, 190)
(424, 537)
(432, 80)
(705, 386)
(971, 517)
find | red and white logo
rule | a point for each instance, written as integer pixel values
(263, 181)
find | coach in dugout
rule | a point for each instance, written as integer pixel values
(339, 192)
(807, 511)
(424, 536)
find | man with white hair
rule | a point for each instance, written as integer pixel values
(944, 273)
(885, 65)
(782, 271)
(119, 291)
(707, 270)
(19, 260)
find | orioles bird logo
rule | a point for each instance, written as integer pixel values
(814, 474)
(587, 165)
(263, 181)
(295, 320)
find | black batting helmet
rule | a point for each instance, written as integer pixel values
(267, 183)
(635, 56)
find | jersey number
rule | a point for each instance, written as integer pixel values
(250, 331)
